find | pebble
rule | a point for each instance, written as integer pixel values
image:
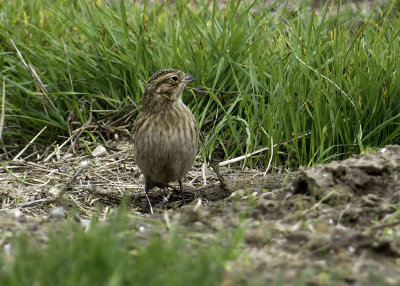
(58, 212)
(99, 151)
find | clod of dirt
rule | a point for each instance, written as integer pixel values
(190, 214)
(214, 192)
(373, 174)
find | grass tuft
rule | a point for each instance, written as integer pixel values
(108, 254)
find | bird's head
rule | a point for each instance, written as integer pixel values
(167, 84)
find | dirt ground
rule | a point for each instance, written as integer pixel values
(333, 223)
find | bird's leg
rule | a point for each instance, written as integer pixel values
(180, 186)
(146, 189)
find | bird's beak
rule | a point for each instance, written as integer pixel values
(188, 78)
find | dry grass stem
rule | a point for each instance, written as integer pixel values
(55, 151)
(35, 77)
(270, 159)
(29, 144)
(3, 107)
(35, 203)
(328, 79)
(243, 157)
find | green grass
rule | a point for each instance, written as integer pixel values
(320, 87)
(114, 254)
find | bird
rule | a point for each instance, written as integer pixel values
(165, 133)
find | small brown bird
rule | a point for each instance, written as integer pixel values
(165, 134)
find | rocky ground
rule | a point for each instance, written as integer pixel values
(333, 223)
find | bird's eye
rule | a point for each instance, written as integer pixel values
(174, 78)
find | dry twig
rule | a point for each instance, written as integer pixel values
(215, 166)
(29, 144)
(35, 202)
(3, 107)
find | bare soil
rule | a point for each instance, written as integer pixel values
(331, 224)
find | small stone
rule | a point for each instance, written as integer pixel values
(15, 212)
(268, 195)
(198, 226)
(99, 151)
(58, 212)
(54, 191)
(256, 236)
(67, 156)
(238, 194)
(266, 206)
(191, 214)
(85, 223)
(8, 249)
(84, 163)
(217, 223)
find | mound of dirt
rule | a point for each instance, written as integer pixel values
(340, 220)
(368, 182)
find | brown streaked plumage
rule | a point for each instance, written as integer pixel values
(165, 134)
